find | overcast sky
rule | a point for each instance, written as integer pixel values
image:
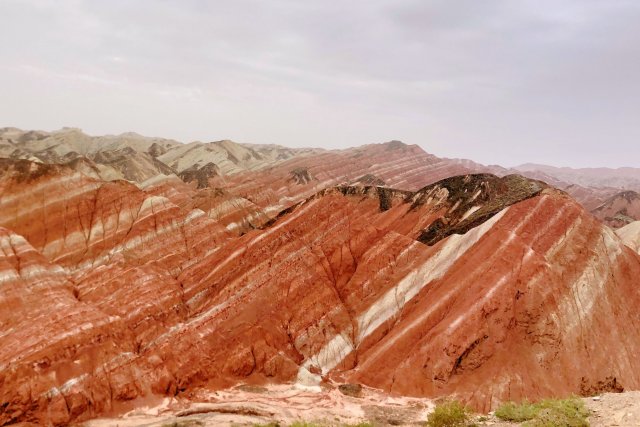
(498, 81)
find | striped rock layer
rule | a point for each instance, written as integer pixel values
(292, 174)
(482, 287)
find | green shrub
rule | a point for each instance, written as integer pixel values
(183, 423)
(449, 414)
(511, 411)
(546, 413)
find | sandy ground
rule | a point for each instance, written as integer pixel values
(615, 409)
(248, 406)
(607, 410)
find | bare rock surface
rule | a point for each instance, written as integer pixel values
(630, 235)
(614, 409)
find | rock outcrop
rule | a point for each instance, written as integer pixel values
(200, 175)
(112, 293)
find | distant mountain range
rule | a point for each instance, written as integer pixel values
(609, 194)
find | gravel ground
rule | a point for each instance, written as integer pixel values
(247, 407)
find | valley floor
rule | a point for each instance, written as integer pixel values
(255, 406)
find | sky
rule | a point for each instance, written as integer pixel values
(497, 81)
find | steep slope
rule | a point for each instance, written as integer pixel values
(619, 210)
(630, 235)
(48, 336)
(398, 165)
(337, 287)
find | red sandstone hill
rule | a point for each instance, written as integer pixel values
(483, 287)
(296, 172)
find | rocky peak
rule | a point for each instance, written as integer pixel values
(470, 200)
(395, 145)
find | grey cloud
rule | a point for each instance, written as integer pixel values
(498, 81)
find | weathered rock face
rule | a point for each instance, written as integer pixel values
(619, 210)
(630, 235)
(112, 293)
(200, 175)
(300, 176)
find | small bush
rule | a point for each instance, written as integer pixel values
(511, 411)
(449, 414)
(183, 423)
(546, 413)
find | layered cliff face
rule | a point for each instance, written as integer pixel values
(484, 287)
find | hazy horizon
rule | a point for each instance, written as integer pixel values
(496, 82)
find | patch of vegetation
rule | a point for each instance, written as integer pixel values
(514, 412)
(546, 413)
(313, 424)
(450, 414)
(304, 424)
(185, 423)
